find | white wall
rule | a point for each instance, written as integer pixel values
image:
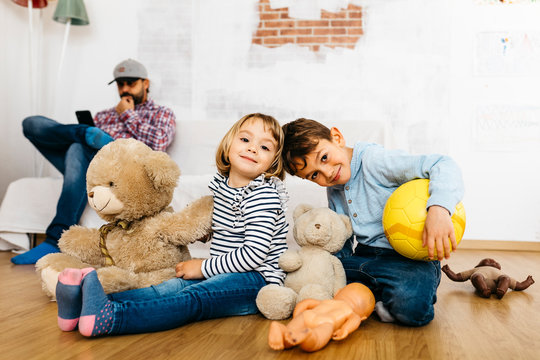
(435, 72)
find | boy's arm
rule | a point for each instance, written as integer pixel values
(446, 189)
(393, 168)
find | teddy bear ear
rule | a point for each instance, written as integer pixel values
(161, 169)
(347, 221)
(301, 209)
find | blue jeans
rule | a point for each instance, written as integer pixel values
(64, 146)
(407, 288)
(178, 302)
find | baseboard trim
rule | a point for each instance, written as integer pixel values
(499, 245)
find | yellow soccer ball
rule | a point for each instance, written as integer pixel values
(404, 217)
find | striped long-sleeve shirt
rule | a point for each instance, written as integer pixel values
(249, 228)
(152, 124)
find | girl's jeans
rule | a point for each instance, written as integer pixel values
(406, 287)
(65, 148)
(177, 302)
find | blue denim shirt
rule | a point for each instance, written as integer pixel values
(375, 173)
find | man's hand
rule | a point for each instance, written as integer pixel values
(190, 270)
(126, 103)
(437, 230)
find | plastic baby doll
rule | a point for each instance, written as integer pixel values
(315, 322)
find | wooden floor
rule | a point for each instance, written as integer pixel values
(465, 326)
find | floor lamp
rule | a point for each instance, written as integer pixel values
(69, 12)
(34, 76)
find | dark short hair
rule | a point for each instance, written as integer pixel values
(301, 137)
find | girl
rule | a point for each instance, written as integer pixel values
(249, 235)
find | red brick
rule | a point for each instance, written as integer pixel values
(269, 16)
(310, 23)
(329, 31)
(354, 7)
(266, 33)
(292, 32)
(346, 23)
(344, 39)
(284, 15)
(330, 15)
(278, 24)
(312, 39)
(355, 31)
(256, 41)
(278, 40)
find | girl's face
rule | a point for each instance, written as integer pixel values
(251, 153)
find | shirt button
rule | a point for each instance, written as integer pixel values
(349, 201)
(346, 188)
(354, 215)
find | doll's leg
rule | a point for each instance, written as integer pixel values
(351, 324)
(479, 283)
(524, 284)
(503, 282)
(276, 336)
(308, 331)
(316, 338)
(69, 297)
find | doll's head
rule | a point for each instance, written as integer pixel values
(489, 262)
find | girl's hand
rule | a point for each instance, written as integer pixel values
(437, 230)
(190, 270)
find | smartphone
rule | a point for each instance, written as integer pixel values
(85, 117)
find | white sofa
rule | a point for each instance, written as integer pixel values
(29, 203)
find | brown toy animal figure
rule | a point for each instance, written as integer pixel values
(488, 279)
(315, 322)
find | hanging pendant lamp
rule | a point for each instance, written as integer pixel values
(36, 4)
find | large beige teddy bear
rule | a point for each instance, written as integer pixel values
(130, 186)
(312, 272)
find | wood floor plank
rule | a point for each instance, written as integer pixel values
(466, 326)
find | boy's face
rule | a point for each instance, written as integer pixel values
(329, 164)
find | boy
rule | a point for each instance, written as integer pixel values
(359, 180)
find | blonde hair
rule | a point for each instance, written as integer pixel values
(222, 154)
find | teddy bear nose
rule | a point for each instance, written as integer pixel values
(91, 194)
(318, 226)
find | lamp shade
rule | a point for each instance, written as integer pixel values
(36, 4)
(73, 10)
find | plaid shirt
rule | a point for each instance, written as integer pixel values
(152, 124)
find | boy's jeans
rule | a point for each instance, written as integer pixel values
(177, 302)
(407, 288)
(65, 148)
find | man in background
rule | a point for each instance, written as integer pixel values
(71, 147)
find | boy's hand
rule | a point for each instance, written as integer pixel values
(437, 230)
(190, 270)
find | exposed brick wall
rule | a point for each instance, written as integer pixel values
(339, 29)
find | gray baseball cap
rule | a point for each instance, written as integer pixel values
(129, 69)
